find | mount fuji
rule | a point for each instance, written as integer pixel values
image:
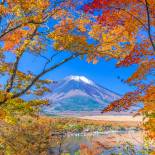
(77, 94)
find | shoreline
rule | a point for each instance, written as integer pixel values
(103, 133)
(113, 118)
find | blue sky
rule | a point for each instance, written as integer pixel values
(104, 72)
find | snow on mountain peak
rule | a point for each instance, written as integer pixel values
(77, 94)
(80, 78)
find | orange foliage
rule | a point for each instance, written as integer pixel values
(134, 44)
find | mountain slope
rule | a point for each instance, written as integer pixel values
(77, 94)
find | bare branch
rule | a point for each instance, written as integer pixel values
(50, 60)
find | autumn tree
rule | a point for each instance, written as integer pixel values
(125, 31)
(28, 30)
(52, 32)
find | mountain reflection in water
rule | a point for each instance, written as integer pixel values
(110, 143)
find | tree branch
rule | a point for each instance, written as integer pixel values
(50, 60)
(39, 76)
(18, 26)
(29, 22)
(15, 67)
(149, 25)
(43, 73)
(10, 82)
(129, 13)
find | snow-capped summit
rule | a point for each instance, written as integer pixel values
(78, 94)
(79, 78)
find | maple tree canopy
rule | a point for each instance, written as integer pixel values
(125, 31)
(33, 28)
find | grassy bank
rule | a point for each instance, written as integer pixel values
(35, 134)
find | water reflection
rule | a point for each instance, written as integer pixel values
(108, 143)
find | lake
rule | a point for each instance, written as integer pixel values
(128, 142)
